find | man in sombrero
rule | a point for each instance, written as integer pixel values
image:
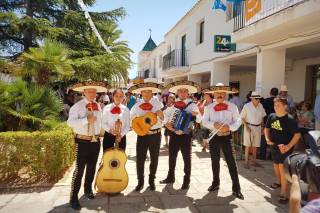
(222, 117)
(181, 140)
(85, 120)
(152, 140)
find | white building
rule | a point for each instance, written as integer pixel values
(278, 45)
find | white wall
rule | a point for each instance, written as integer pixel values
(247, 81)
(296, 78)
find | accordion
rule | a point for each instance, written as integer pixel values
(183, 121)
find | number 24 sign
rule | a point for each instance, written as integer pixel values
(222, 43)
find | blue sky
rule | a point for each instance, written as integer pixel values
(160, 16)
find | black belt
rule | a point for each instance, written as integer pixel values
(253, 124)
(154, 131)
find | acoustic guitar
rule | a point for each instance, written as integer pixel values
(141, 125)
(112, 176)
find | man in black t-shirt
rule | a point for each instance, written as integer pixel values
(282, 134)
(268, 106)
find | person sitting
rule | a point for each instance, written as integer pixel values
(305, 116)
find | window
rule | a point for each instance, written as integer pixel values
(200, 32)
(160, 61)
(201, 36)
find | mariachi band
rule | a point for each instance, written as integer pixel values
(90, 123)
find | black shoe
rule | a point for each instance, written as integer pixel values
(185, 186)
(89, 195)
(152, 186)
(238, 195)
(213, 187)
(167, 181)
(139, 187)
(75, 205)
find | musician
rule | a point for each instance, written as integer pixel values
(85, 120)
(152, 140)
(223, 117)
(111, 113)
(181, 141)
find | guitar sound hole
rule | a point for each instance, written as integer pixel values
(114, 164)
(148, 120)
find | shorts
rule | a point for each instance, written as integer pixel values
(255, 140)
(277, 156)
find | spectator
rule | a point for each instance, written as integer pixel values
(170, 104)
(252, 116)
(282, 134)
(237, 101)
(305, 116)
(268, 106)
(105, 99)
(204, 132)
(284, 94)
(317, 112)
(131, 100)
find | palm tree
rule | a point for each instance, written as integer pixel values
(48, 61)
(28, 106)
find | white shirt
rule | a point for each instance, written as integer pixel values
(106, 98)
(252, 114)
(191, 108)
(78, 118)
(109, 119)
(136, 111)
(166, 113)
(230, 116)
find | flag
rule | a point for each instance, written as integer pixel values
(234, 8)
(252, 8)
(218, 5)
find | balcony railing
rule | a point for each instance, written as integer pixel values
(176, 58)
(268, 8)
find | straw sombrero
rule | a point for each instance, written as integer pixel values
(191, 86)
(97, 85)
(154, 87)
(220, 87)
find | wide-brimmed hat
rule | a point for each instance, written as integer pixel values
(154, 87)
(220, 87)
(283, 88)
(97, 85)
(191, 86)
(255, 95)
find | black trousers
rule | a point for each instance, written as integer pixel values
(145, 143)
(183, 143)
(109, 142)
(224, 143)
(86, 156)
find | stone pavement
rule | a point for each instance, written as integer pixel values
(259, 197)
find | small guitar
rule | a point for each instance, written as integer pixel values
(141, 125)
(112, 176)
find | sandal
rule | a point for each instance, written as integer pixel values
(275, 185)
(283, 200)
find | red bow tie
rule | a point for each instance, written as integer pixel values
(92, 107)
(146, 106)
(180, 105)
(220, 107)
(116, 110)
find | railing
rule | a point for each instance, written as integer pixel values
(176, 58)
(268, 8)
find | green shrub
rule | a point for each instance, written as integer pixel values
(39, 154)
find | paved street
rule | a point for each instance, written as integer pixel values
(259, 197)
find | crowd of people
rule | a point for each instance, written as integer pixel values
(276, 121)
